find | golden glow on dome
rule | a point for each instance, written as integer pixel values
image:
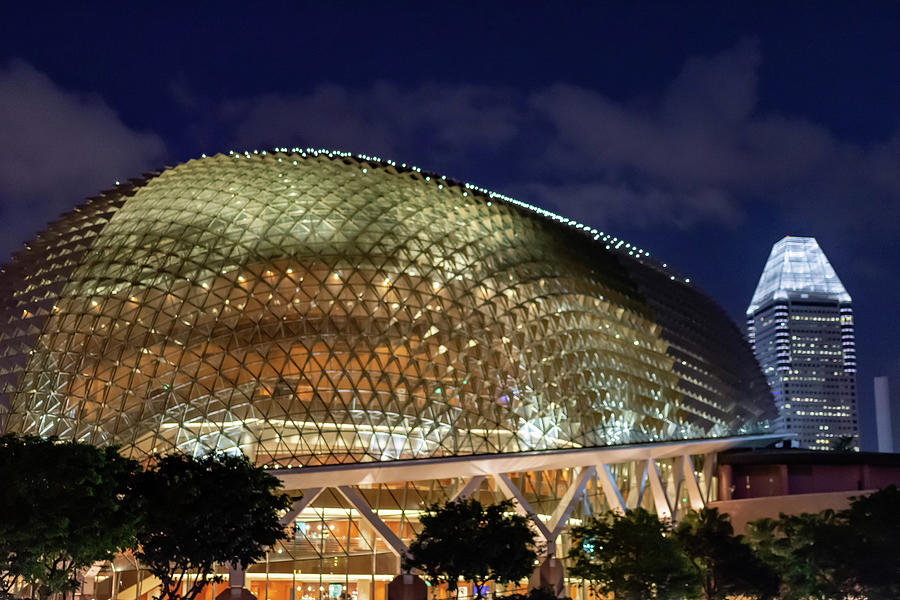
(315, 309)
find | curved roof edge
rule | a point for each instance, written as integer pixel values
(611, 242)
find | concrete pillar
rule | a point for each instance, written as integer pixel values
(236, 589)
(364, 589)
(725, 487)
(115, 583)
(87, 587)
(407, 586)
(236, 576)
(883, 415)
(88, 579)
(549, 574)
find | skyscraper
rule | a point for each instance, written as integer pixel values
(800, 324)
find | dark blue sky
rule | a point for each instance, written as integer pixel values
(701, 132)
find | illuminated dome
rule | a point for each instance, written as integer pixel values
(314, 308)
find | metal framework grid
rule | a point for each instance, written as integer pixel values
(381, 338)
(355, 521)
(311, 308)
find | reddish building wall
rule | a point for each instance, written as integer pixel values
(781, 473)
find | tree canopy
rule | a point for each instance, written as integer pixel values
(725, 563)
(873, 530)
(200, 512)
(64, 507)
(631, 556)
(67, 505)
(833, 555)
(807, 551)
(463, 539)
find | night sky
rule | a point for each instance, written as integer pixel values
(701, 132)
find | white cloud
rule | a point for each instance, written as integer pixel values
(697, 152)
(693, 155)
(638, 206)
(58, 147)
(702, 131)
(384, 119)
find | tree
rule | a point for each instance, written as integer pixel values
(808, 551)
(871, 551)
(631, 556)
(64, 507)
(725, 564)
(833, 555)
(464, 540)
(200, 512)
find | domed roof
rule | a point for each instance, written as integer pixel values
(312, 308)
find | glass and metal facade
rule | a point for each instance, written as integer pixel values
(800, 323)
(316, 310)
(319, 309)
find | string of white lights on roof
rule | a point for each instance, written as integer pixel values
(610, 241)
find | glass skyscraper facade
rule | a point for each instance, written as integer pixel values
(800, 324)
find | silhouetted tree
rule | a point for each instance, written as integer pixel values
(725, 564)
(808, 551)
(871, 545)
(632, 556)
(853, 552)
(63, 506)
(200, 512)
(463, 539)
